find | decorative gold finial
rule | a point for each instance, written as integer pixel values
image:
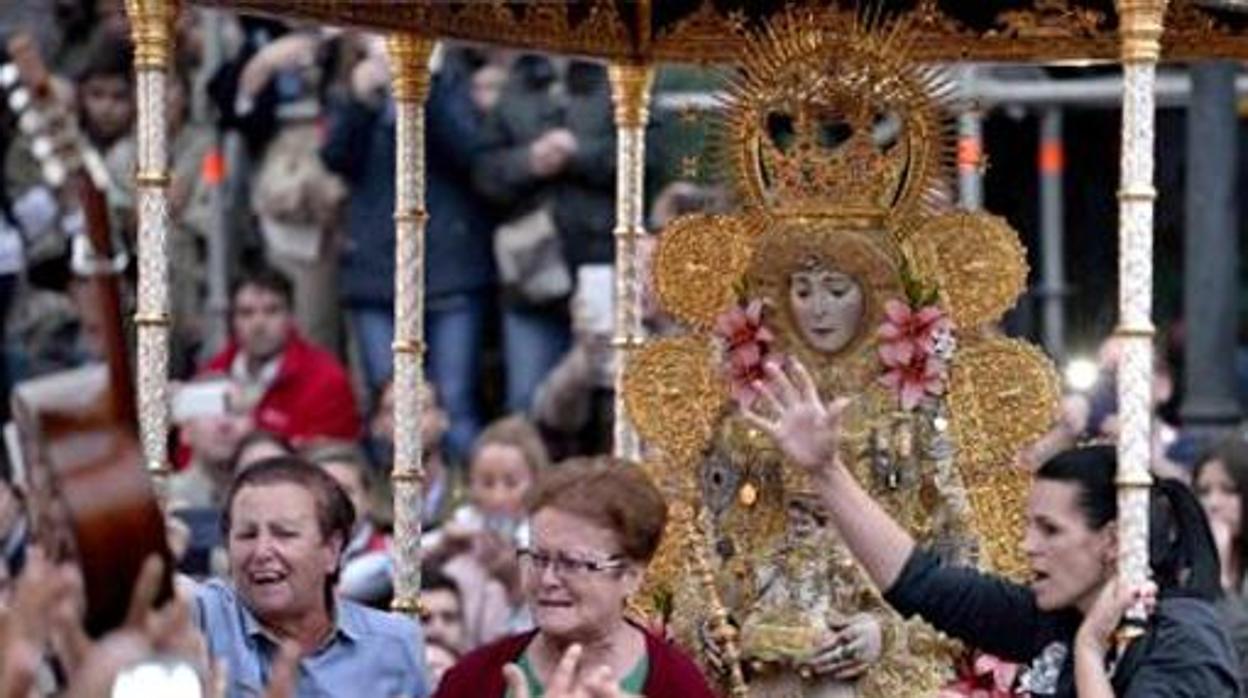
(1140, 25)
(151, 27)
(409, 58)
(630, 90)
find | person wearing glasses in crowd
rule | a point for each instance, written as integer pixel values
(594, 528)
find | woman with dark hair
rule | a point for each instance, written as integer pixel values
(1064, 622)
(1221, 482)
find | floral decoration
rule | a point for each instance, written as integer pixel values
(982, 675)
(746, 344)
(916, 344)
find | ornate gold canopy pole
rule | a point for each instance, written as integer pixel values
(409, 57)
(630, 89)
(1140, 22)
(151, 23)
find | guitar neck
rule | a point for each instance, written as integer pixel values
(106, 284)
(82, 170)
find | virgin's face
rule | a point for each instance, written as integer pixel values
(1069, 560)
(827, 305)
(1220, 496)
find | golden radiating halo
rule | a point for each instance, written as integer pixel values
(1003, 393)
(975, 259)
(674, 394)
(698, 264)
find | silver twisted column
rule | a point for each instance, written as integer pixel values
(151, 24)
(630, 90)
(409, 56)
(1141, 26)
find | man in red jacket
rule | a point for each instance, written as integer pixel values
(290, 386)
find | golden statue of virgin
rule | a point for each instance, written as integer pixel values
(842, 258)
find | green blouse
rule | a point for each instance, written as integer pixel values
(631, 683)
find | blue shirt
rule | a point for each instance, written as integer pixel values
(370, 654)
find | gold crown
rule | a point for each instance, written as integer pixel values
(831, 117)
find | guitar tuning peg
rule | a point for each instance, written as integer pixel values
(54, 173)
(9, 75)
(31, 122)
(19, 99)
(42, 147)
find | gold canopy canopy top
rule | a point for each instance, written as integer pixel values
(710, 31)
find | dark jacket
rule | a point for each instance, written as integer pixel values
(361, 148)
(1185, 652)
(480, 673)
(582, 196)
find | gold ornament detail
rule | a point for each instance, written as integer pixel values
(151, 26)
(631, 83)
(1003, 396)
(1037, 32)
(699, 261)
(976, 261)
(675, 394)
(838, 114)
(1051, 19)
(1140, 24)
(409, 54)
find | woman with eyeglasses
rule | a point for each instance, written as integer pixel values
(594, 527)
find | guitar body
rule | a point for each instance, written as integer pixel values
(91, 500)
(91, 497)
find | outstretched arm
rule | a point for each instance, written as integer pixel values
(990, 613)
(809, 432)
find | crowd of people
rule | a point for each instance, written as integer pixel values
(280, 506)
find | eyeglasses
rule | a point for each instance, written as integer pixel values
(567, 565)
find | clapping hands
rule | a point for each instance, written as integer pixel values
(570, 680)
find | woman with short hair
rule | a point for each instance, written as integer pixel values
(285, 524)
(594, 526)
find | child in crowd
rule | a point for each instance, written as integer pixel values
(479, 543)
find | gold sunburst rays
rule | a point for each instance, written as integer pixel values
(830, 116)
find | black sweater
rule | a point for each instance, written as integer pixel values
(1186, 651)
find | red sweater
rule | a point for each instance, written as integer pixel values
(480, 674)
(311, 396)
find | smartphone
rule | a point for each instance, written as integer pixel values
(594, 300)
(210, 398)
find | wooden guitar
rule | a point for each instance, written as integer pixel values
(92, 500)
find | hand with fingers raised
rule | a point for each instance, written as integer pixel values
(805, 427)
(570, 680)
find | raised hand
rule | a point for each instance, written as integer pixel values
(568, 681)
(797, 419)
(1096, 632)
